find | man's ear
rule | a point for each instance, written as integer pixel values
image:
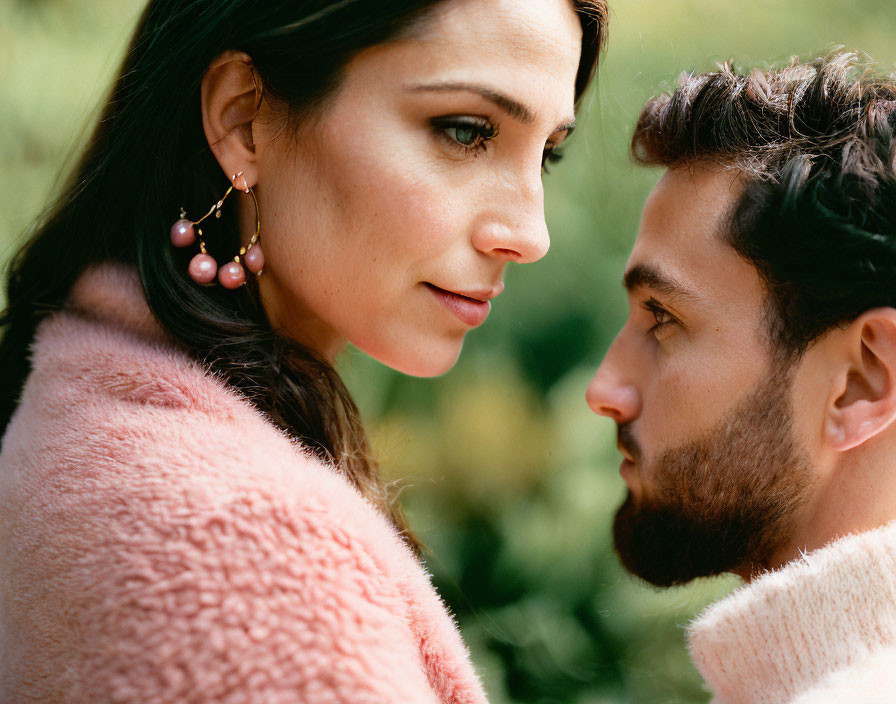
(862, 402)
(231, 94)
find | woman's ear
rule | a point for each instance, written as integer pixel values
(862, 402)
(231, 94)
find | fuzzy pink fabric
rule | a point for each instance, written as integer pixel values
(160, 541)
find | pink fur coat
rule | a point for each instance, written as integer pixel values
(160, 541)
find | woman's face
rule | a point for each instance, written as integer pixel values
(389, 220)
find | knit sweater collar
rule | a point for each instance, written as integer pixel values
(112, 292)
(775, 637)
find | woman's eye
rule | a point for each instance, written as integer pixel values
(468, 133)
(553, 148)
(551, 155)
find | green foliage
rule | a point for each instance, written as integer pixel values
(510, 480)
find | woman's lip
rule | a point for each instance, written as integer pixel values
(470, 311)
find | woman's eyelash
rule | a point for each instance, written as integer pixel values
(472, 134)
(467, 132)
(551, 155)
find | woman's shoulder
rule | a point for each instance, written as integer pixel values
(111, 404)
(149, 513)
(113, 414)
(169, 558)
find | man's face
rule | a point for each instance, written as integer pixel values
(703, 406)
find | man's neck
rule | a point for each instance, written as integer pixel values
(856, 494)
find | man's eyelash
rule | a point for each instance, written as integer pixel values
(662, 316)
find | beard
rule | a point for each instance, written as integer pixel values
(724, 502)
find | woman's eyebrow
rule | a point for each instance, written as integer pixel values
(514, 108)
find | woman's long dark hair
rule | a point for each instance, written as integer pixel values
(149, 156)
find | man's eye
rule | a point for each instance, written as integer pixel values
(663, 319)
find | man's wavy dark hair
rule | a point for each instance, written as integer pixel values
(815, 145)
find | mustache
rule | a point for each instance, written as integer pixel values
(625, 438)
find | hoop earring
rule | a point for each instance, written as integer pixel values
(203, 268)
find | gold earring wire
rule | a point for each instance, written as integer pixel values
(203, 267)
(253, 241)
(216, 210)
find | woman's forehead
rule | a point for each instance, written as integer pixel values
(529, 50)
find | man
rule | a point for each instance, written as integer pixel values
(754, 383)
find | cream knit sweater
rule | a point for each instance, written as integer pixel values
(821, 630)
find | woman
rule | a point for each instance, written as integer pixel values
(189, 509)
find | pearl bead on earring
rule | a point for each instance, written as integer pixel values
(203, 268)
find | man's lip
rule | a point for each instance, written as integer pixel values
(627, 455)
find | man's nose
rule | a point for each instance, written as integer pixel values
(611, 392)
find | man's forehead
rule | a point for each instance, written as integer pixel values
(682, 226)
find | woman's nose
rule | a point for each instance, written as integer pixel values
(610, 394)
(515, 229)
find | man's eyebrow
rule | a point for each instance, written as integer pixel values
(514, 108)
(649, 276)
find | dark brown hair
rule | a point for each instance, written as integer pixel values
(815, 143)
(149, 156)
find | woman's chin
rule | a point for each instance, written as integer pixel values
(425, 360)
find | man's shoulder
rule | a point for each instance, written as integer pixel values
(868, 680)
(824, 620)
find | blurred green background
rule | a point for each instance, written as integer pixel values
(508, 477)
